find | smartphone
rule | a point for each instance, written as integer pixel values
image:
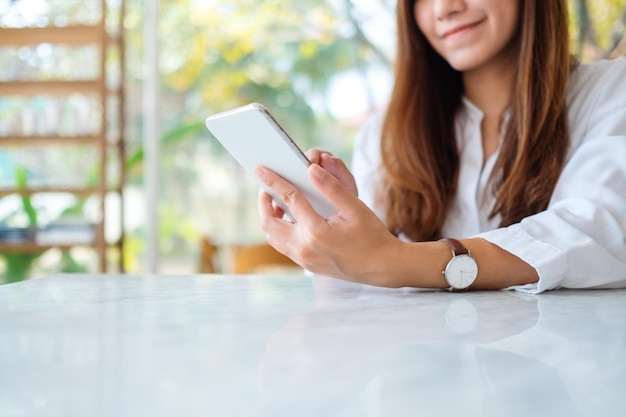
(254, 138)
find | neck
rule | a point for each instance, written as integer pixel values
(490, 88)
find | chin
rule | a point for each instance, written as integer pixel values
(467, 64)
(462, 66)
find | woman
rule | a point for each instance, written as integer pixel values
(492, 136)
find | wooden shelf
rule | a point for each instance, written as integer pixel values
(31, 247)
(40, 88)
(37, 141)
(50, 190)
(103, 35)
(38, 190)
(71, 35)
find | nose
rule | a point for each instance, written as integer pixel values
(444, 8)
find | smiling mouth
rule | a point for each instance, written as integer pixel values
(459, 29)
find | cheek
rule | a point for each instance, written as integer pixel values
(420, 12)
(426, 26)
(509, 16)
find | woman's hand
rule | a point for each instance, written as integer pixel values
(352, 244)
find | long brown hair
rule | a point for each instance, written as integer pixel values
(420, 159)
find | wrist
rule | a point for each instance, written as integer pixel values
(410, 264)
(462, 270)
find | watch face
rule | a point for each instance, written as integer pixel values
(461, 271)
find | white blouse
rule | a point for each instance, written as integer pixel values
(579, 241)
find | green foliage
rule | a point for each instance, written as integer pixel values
(182, 133)
(597, 28)
(20, 180)
(17, 264)
(280, 53)
(69, 264)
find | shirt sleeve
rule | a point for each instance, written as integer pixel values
(580, 240)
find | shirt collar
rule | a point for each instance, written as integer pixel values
(472, 110)
(477, 115)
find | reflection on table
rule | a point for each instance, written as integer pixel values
(304, 346)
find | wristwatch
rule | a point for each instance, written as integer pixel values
(462, 269)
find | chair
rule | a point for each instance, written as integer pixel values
(244, 259)
(208, 256)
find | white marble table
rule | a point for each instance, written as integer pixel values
(233, 346)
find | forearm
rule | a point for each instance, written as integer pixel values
(420, 264)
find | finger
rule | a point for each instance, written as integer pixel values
(271, 223)
(278, 211)
(265, 206)
(338, 194)
(339, 169)
(268, 208)
(264, 197)
(296, 202)
(315, 154)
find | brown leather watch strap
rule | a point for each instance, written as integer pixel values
(456, 247)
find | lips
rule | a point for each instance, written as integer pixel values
(460, 28)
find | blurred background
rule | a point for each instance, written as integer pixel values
(73, 122)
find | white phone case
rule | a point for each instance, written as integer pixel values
(254, 138)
